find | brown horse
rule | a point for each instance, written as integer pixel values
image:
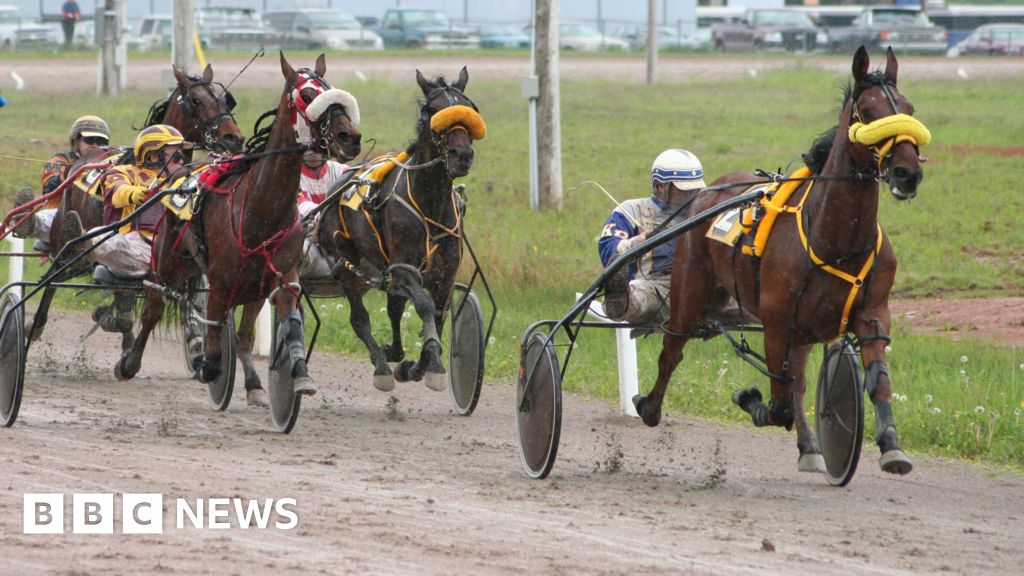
(198, 111)
(411, 232)
(809, 292)
(246, 237)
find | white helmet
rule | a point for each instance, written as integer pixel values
(680, 167)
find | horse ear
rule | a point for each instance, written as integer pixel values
(426, 85)
(287, 70)
(460, 84)
(892, 67)
(860, 64)
(180, 77)
(208, 72)
(321, 66)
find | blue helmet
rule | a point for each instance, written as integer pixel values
(680, 167)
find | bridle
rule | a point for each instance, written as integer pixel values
(324, 138)
(439, 139)
(194, 108)
(882, 135)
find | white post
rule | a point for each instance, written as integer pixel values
(17, 263)
(263, 331)
(625, 352)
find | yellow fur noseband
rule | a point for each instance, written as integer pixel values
(904, 126)
(459, 115)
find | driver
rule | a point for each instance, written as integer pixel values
(638, 293)
(88, 136)
(315, 182)
(158, 155)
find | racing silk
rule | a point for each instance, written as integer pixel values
(315, 183)
(118, 185)
(54, 172)
(621, 230)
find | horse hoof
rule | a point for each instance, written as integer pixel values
(744, 398)
(384, 382)
(256, 398)
(896, 462)
(304, 386)
(436, 381)
(641, 405)
(402, 371)
(119, 371)
(811, 463)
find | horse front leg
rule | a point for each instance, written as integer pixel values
(396, 307)
(216, 313)
(873, 335)
(254, 393)
(291, 333)
(428, 367)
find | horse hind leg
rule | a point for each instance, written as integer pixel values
(428, 367)
(359, 318)
(131, 359)
(394, 352)
(254, 393)
(649, 406)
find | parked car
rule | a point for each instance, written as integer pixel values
(321, 28)
(878, 27)
(499, 35)
(17, 32)
(155, 32)
(769, 29)
(586, 38)
(992, 40)
(416, 28)
(232, 27)
(669, 37)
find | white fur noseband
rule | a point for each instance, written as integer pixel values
(320, 104)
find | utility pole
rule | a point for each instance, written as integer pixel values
(549, 147)
(652, 41)
(110, 69)
(183, 52)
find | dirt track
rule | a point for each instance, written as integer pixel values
(395, 483)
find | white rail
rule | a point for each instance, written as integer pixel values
(625, 348)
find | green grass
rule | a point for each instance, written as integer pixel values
(959, 237)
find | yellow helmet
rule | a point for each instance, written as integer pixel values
(87, 126)
(154, 138)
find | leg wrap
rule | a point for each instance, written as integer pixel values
(290, 333)
(883, 409)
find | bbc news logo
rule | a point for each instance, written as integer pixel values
(144, 513)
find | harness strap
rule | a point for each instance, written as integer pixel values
(430, 241)
(855, 281)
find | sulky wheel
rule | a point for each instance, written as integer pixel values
(220, 389)
(839, 415)
(538, 405)
(284, 402)
(13, 346)
(466, 350)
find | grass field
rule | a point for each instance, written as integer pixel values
(959, 237)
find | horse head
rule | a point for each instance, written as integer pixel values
(882, 127)
(325, 118)
(207, 118)
(452, 120)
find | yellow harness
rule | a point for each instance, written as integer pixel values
(776, 205)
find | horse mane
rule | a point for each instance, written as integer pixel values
(157, 112)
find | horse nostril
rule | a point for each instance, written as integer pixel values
(901, 173)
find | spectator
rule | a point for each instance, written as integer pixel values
(70, 14)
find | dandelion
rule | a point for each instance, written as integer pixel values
(936, 410)
(419, 344)
(928, 398)
(888, 349)
(383, 310)
(963, 373)
(1022, 366)
(1016, 412)
(406, 314)
(338, 306)
(963, 359)
(491, 340)
(979, 409)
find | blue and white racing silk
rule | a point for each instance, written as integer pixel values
(621, 229)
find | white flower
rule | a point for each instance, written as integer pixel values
(963, 359)
(963, 373)
(979, 409)
(936, 410)
(888, 349)
(338, 306)
(419, 344)
(928, 398)
(1022, 366)
(383, 310)
(491, 340)
(900, 397)
(1016, 412)
(406, 315)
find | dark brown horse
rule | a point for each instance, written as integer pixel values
(410, 232)
(198, 110)
(246, 237)
(799, 290)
